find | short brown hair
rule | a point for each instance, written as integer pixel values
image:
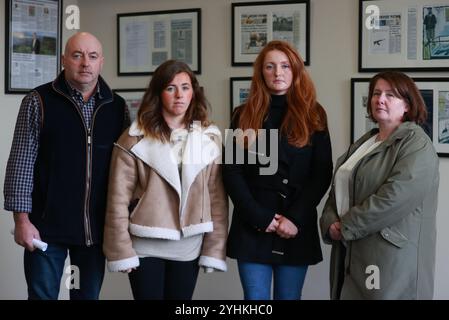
(404, 88)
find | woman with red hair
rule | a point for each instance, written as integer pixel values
(274, 229)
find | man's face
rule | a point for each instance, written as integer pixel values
(83, 61)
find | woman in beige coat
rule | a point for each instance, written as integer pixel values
(167, 210)
(380, 214)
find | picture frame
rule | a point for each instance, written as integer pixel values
(399, 35)
(147, 39)
(254, 24)
(435, 92)
(32, 43)
(133, 98)
(239, 89)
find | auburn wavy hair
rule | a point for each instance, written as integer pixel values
(304, 115)
(149, 115)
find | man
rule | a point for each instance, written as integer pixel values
(35, 44)
(56, 176)
(430, 22)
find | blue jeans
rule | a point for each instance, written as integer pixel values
(256, 281)
(43, 272)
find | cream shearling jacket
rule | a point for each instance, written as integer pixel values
(147, 198)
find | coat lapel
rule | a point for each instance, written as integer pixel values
(158, 156)
(200, 151)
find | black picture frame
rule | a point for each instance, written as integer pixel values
(239, 90)
(32, 43)
(146, 39)
(254, 25)
(393, 35)
(435, 92)
(133, 98)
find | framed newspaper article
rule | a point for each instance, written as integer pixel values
(435, 92)
(409, 35)
(146, 39)
(254, 24)
(133, 98)
(33, 43)
(239, 91)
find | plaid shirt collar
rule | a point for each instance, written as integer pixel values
(75, 93)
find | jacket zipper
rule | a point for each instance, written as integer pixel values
(87, 227)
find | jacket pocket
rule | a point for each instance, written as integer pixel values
(394, 237)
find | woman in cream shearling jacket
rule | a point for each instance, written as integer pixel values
(167, 210)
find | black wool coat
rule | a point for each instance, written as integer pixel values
(302, 177)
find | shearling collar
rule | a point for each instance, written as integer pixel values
(200, 151)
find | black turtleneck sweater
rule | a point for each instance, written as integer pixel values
(276, 111)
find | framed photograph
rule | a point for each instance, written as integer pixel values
(409, 35)
(435, 92)
(239, 91)
(146, 39)
(33, 43)
(133, 98)
(254, 24)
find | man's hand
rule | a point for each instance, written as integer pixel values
(24, 231)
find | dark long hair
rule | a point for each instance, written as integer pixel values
(149, 116)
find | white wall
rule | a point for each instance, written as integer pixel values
(333, 55)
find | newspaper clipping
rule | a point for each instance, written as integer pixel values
(181, 40)
(254, 32)
(159, 53)
(256, 29)
(34, 43)
(435, 32)
(148, 40)
(386, 37)
(286, 26)
(137, 52)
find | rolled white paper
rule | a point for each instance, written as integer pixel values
(208, 269)
(41, 245)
